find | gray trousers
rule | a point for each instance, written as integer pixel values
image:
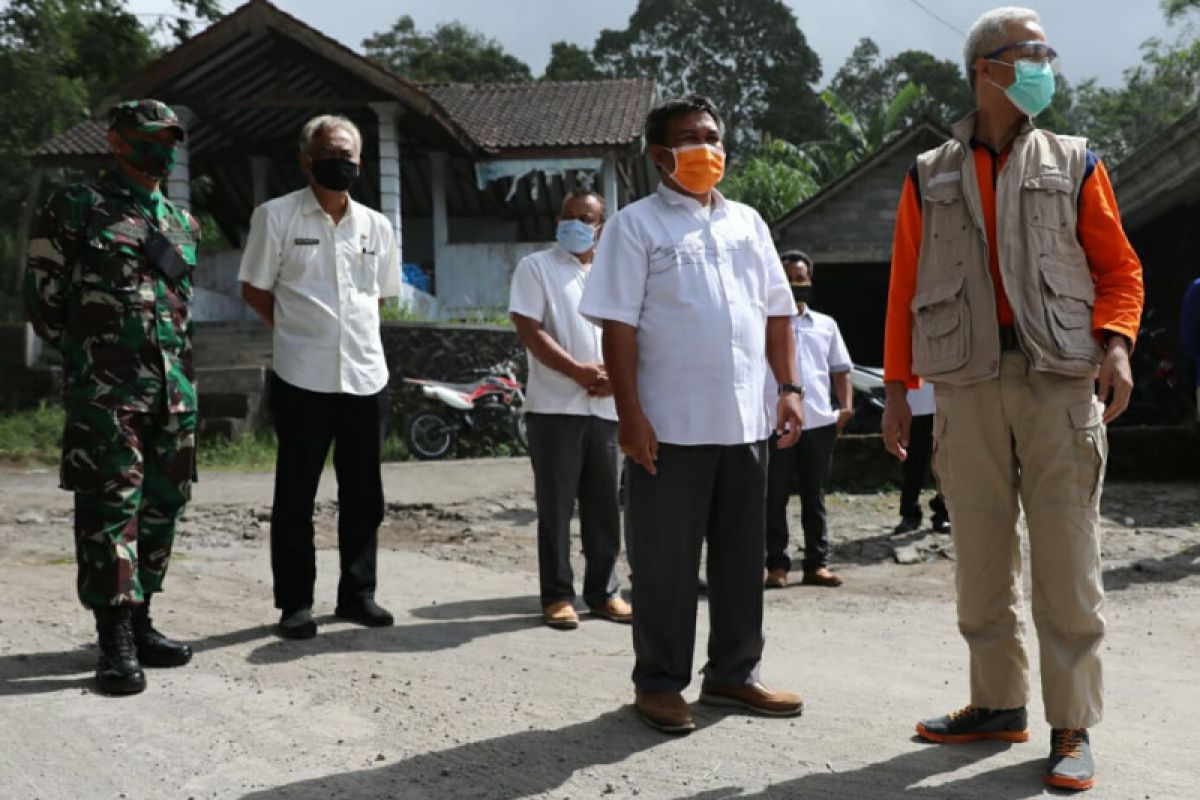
(706, 491)
(575, 458)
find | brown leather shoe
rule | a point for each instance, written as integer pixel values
(614, 610)
(776, 579)
(754, 697)
(821, 576)
(665, 711)
(561, 615)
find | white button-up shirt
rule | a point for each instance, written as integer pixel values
(327, 280)
(820, 352)
(547, 286)
(698, 284)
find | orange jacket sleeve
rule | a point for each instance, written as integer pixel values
(1115, 267)
(906, 251)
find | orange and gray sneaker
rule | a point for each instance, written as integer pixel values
(972, 724)
(560, 615)
(614, 610)
(1070, 765)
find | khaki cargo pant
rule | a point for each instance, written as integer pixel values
(1037, 440)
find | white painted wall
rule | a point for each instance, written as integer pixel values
(475, 278)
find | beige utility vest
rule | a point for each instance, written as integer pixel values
(955, 331)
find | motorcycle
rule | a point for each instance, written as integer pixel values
(1160, 392)
(492, 406)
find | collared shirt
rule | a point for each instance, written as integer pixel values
(820, 352)
(124, 330)
(327, 280)
(547, 286)
(698, 284)
(1114, 265)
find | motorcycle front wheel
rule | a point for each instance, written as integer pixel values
(430, 435)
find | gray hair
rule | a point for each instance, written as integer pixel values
(989, 32)
(318, 125)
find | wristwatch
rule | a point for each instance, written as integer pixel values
(786, 388)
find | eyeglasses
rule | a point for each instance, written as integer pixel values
(1027, 51)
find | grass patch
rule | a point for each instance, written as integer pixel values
(32, 436)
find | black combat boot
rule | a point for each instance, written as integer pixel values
(154, 649)
(118, 670)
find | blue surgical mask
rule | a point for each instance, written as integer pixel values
(576, 236)
(1033, 89)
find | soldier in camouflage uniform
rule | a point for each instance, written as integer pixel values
(108, 284)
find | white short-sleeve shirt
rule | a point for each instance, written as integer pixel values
(820, 352)
(547, 286)
(698, 284)
(920, 401)
(327, 280)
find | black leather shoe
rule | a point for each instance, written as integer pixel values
(154, 649)
(297, 624)
(365, 612)
(118, 670)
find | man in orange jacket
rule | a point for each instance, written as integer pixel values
(1013, 288)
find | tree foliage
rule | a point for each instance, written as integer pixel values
(450, 52)
(570, 62)
(750, 57)
(58, 59)
(866, 83)
(774, 180)
(1156, 93)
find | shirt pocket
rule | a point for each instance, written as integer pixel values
(673, 257)
(364, 270)
(1047, 201)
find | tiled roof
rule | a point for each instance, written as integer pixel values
(548, 113)
(84, 140)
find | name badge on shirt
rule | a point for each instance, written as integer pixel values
(307, 241)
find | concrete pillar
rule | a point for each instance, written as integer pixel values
(441, 224)
(612, 195)
(260, 170)
(389, 167)
(179, 182)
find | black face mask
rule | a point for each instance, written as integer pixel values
(802, 292)
(334, 174)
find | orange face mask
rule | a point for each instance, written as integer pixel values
(698, 167)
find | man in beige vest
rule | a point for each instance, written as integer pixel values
(1013, 289)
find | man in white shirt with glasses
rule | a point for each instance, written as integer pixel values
(315, 268)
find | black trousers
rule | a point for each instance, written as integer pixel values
(711, 491)
(575, 458)
(916, 469)
(812, 458)
(306, 424)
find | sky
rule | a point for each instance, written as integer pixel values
(1101, 42)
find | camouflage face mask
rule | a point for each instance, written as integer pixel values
(151, 157)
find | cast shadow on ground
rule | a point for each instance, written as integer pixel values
(896, 777)
(423, 637)
(536, 762)
(488, 607)
(1182, 565)
(524, 764)
(37, 673)
(881, 547)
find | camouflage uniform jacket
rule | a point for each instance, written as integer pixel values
(125, 331)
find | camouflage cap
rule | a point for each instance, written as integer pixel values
(147, 116)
